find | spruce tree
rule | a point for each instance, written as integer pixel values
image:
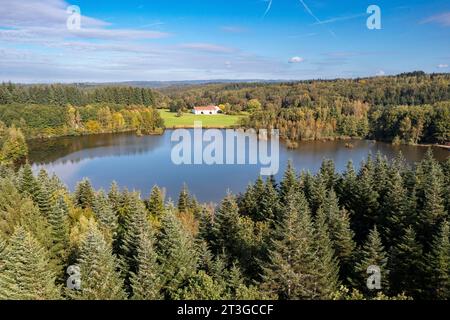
(317, 194)
(268, 202)
(395, 208)
(176, 255)
(27, 182)
(348, 187)
(100, 278)
(291, 269)
(371, 254)
(226, 226)
(365, 203)
(146, 282)
(44, 200)
(155, 204)
(438, 265)
(84, 194)
(135, 227)
(183, 199)
(328, 173)
(114, 197)
(406, 265)
(341, 235)
(58, 220)
(25, 274)
(328, 268)
(429, 194)
(105, 215)
(289, 183)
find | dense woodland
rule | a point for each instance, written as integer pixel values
(409, 108)
(306, 237)
(61, 110)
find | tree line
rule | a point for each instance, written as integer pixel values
(78, 95)
(308, 236)
(409, 108)
(44, 121)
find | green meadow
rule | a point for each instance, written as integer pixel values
(208, 121)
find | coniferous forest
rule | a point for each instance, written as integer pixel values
(304, 237)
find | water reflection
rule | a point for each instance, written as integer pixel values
(140, 162)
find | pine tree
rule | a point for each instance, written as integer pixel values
(405, 263)
(155, 204)
(328, 173)
(372, 254)
(429, 193)
(84, 194)
(100, 279)
(365, 203)
(341, 235)
(135, 227)
(395, 209)
(268, 202)
(380, 174)
(146, 282)
(289, 183)
(44, 200)
(28, 183)
(25, 274)
(317, 194)
(225, 226)
(105, 215)
(176, 255)
(347, 187)
(291, 270)
(114, 197)
(58, 220)
(183, 199)
(438, 264)
(328, 268)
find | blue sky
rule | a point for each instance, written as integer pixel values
(217, 39)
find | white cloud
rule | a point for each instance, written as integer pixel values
(443, 19)
(296, 60)
(207, 47)
(442, 65)
(380, 73)
(37, 20)
(343, 18)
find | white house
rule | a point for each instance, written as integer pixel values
(206, 110)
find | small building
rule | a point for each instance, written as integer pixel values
(206, 110)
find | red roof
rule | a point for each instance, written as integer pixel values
(208, 108)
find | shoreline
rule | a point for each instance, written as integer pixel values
(161, 132)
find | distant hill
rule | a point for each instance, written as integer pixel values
(166, 84)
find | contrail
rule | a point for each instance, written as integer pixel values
(314, 16)
(268, 8)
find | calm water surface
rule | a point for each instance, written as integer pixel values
(141, 162)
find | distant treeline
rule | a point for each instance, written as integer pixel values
(408, 108)
(61, 95)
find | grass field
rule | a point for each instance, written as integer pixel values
(208, 121)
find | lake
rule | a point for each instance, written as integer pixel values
(138, 163)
